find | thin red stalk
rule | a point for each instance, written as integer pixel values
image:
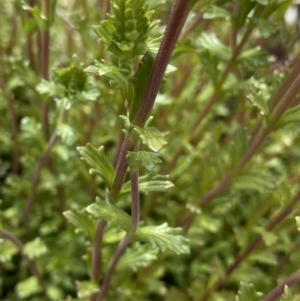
(44, 51)
(176, 21)
(135, 218)
(34, 271)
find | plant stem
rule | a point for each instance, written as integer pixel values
(45, 39)
(135, 218)
(176, 21)
(34, 271)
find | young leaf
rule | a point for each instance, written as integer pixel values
(265, 27)
(140, 81)
(164, 238)
(152, 137)
(288, 296)
(82, 221)
(148, 160)
(136, 257)
(113, 215)
(149, 183)
(96, 159)
(35, 248)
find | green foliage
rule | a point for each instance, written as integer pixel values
(68, 228)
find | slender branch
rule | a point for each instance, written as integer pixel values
(176, 21)
(135, 218)
(45, 40)
(279, 290)
(34, 271)
(38, 169)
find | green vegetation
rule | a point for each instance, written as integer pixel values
(149, 150)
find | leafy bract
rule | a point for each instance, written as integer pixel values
(164, 238)
(152, 137)
(113, 215)
(148, 160)
(149, 183)
(136, 257)
(99, 164)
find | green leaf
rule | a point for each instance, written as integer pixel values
(7, 250)
(152, 137)
(140, 81)
(253, 181)
(164, 238)
(50, 88)
(298, 222)
(212, 43)
(28, 287)
(289, 116)
(82, 221)
(239, 145)
(99, 164)
(136, 257)
(113, 215)
(149, 183)
(247, 293)
(86, 288)
(148, 160)
(111, 72)
(35, 248)
(266, 27)
(104, 31)
(264, 257)
(213, 12)
(66, 132)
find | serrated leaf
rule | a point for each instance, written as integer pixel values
(149, 183)
(212, 43)
(136, 257)
(28, 287)
(104, 31)
(152, 137)
(99, 164)
(164, 238)
(265, 257)
(213, 12)
(81, 220)
(148, 160)
(50, 88)
(253, 181)
(66, 132)
(7, 250)
(35, 248)
(289, 116)
(266, 27)
(86, 288)
(113, 215)
(111, 72)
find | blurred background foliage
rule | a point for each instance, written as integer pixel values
(231, 57)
